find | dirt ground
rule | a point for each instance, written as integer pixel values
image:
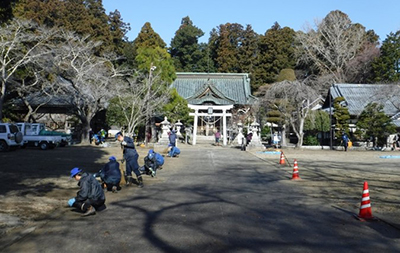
(337, 177)
(36, 182)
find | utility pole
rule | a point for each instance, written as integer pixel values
(330, 118)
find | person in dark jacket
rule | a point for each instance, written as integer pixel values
(90, 196)
(172, 142)
(131, 157)
(152, 162)
(345, 140)
(111, 175)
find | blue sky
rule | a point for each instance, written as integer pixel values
(382, 16)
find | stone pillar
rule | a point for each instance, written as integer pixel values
(224, 127)
(196, 111)
(240, 134)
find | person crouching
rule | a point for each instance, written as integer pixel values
(110, 175)
(90, 196)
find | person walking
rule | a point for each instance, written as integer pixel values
(345, 140)
(90, 196)
(131, 158)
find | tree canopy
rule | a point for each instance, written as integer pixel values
(185, 50)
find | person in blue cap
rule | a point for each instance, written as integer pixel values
(90, 196)
(131, 157)
(152, 162)
(110, 175)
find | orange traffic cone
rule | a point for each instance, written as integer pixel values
(282, 160)
(295, 174)
(365, 207)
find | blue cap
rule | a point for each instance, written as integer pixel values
(151, 151)
(117, 134)
(112, 158)
(75, 171)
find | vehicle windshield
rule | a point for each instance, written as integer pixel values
(14, 129)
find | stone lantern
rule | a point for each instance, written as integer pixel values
(178, 127)
(255, 139)
(240, 136)
(165, 126)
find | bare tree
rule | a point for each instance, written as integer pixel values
(359, 69)
(330, 48)
(85, 81)
(21, 43)
(137, 101)
(293, 100)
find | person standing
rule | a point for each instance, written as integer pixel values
(345, 140)
(111, 175)
(91, 133)
(131, 158)
(90, 196)
(217, 137)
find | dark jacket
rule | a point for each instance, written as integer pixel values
(345, 138)
(90, 188)
(129, 149)
(111, 173)
(172, 138)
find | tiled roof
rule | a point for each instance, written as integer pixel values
(357, 96)
(228, 87)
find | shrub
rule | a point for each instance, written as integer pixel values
(311, 140)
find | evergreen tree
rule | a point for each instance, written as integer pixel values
(228, 47)
(147, 37)
(160, 60)
(6, 12)
(342, 116)
(317, 121)
(373, 122)
(120, 43)
(233, 49)
(386, 67)
(177, 109)
(85, 17)
(248, 51)
(276, 52)
(185, 49)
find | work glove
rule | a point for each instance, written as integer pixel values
(123, 143)
(71, 201)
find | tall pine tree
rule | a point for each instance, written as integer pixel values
(386, 67)
(276, 52)
(185, 48)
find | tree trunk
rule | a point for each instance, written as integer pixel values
(2, 96)
(283, 136)
(85, 119)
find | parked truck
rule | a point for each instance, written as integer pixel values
(34, 134)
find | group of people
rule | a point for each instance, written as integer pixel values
(91, 198)
(97, 138)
